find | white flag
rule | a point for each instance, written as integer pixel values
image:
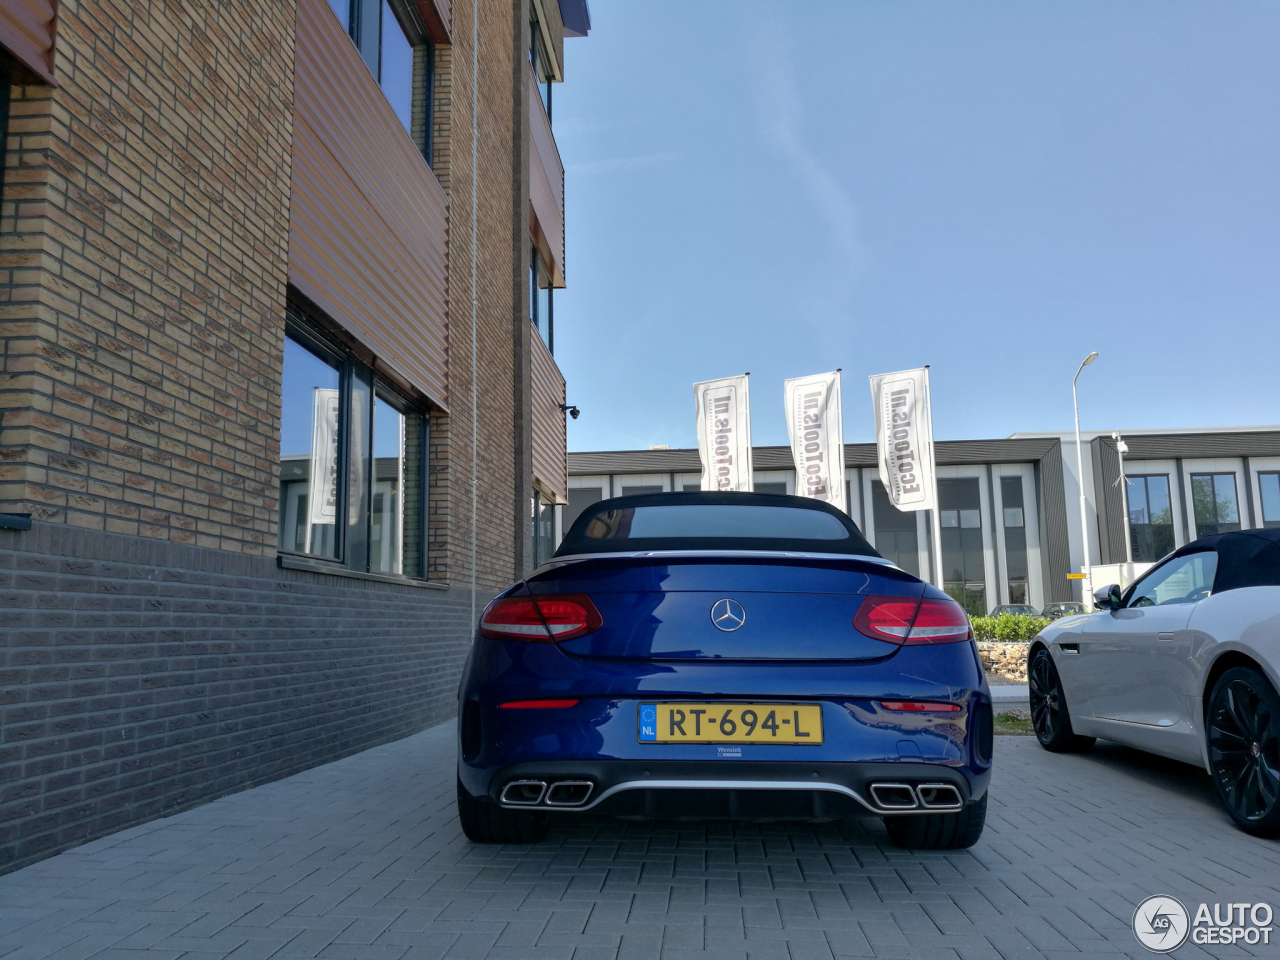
(322, 492)
(904, 437)
(724, 433)
(815, 423)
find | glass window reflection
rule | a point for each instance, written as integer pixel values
(1150, 517)
(396, 68)
(1213, 496)
(309, 424)
(386, 506)
(1269, 485)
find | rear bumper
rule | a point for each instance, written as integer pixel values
(676, 789)
(597, 739)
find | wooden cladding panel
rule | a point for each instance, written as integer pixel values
(436, 15)
(549, 437)
(546, 185)
(27, 31)
(368, 223)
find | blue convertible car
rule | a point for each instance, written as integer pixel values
(723, 655)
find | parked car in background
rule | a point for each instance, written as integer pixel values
(1067, 608)
(1017, 609)
(723, 655)
(1185, 663)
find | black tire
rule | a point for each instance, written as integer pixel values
(1049, 714)
(1243, 730)
(938, 831)
(483, 821)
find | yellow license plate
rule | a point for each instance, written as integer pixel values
(729, 723)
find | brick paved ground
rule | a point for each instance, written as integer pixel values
(363, 859)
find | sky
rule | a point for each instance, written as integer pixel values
(991, 188)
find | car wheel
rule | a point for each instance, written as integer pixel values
(939, 831)
(1049, 714)
(483, 821)
(1244, 749)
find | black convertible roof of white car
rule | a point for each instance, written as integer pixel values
(1246, 558)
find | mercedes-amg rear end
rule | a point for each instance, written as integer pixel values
(723, 655)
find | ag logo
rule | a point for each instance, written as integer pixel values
(1161, 924)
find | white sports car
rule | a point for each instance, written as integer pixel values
(1185, 663)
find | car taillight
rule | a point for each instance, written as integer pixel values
(540, 619)
(911, 620)
(537, 704)
(920, 706)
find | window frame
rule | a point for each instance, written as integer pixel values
(313, 341)
(1132, 480)
(387, 392)
(1263, 520)
(352, 546)
(537, 270)
(364, 28)
(539, 57)
(1217, 522)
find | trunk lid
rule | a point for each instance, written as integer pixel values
(791, 607)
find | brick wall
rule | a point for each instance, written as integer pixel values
(143, 245)
(152, 654)
(500, 522)
(139, 677)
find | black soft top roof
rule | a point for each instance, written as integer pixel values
(1246, 558)
(576, 540)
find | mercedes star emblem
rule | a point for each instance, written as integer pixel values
(728, 615)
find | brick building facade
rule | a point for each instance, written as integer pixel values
(240, 412)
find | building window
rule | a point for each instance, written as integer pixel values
(963, 558)
(540, 61)
(309, 421)
(896, 536)
(395, 46)
(544, 528)
(1214, 497)
(353, 462)
(395, 67)
(1015, 538)
(541, 305)
(396, 509)
(1150, 517)
(1269, 486)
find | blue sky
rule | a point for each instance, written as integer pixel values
(992, 188)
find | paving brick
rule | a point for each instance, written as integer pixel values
(277, 852)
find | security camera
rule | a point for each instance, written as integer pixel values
(571, 410)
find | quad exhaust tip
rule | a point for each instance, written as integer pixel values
(524, 793)
(939, 796)
(569, 793)
(894, 796)
(906, 796)
(534, 793)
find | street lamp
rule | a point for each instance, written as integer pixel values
(1084, 523)
(1121, 449)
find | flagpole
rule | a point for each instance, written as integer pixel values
(937, 504)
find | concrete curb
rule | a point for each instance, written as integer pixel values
(1005, 696)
